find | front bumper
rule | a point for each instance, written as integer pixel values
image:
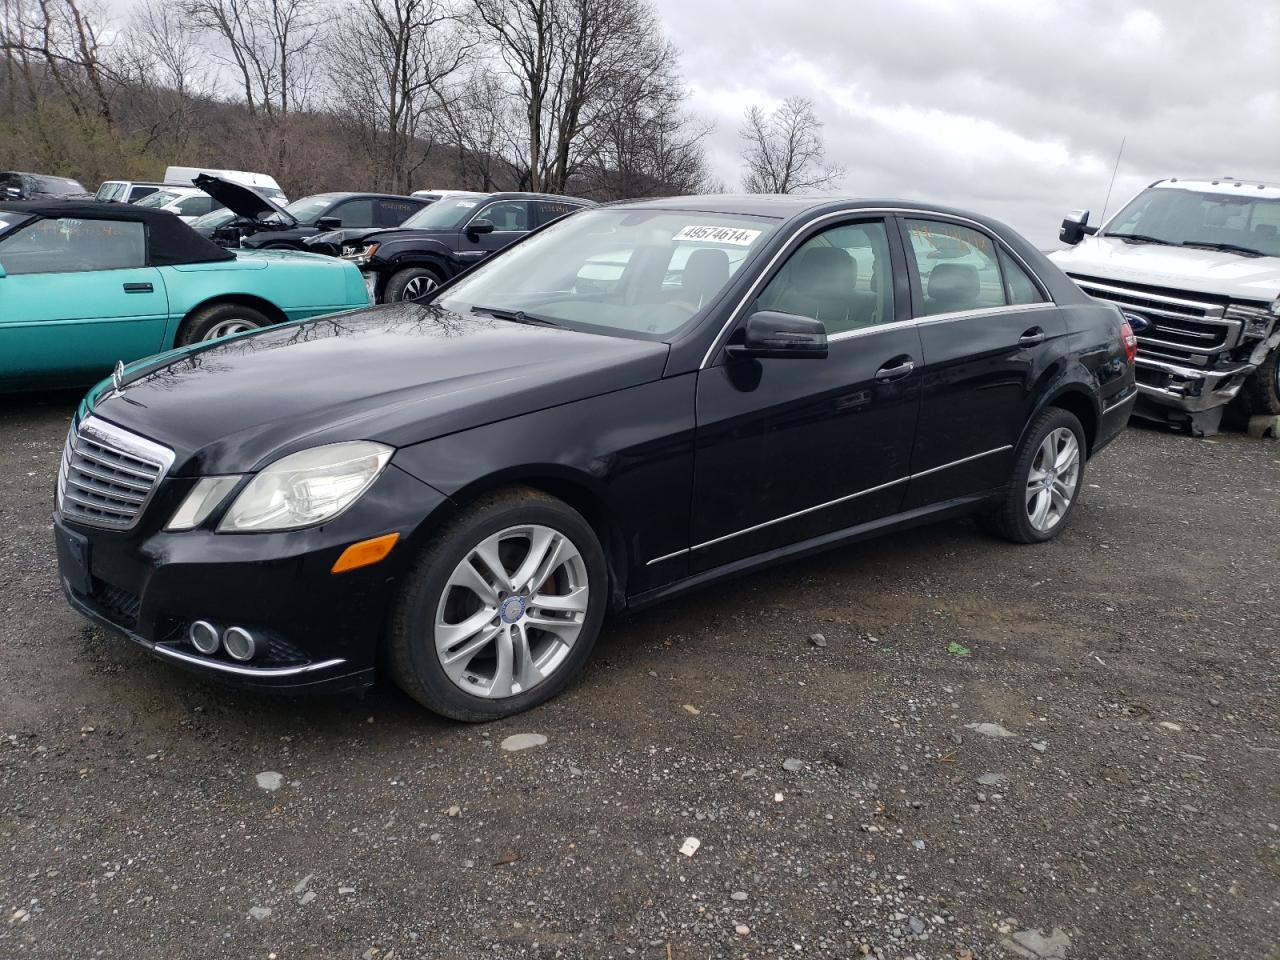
(1190, 389)
(315, 630)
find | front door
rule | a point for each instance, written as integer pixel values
(989, 335)
(510, 219)
(75, 297)
(790, 449)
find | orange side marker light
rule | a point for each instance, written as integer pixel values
(365, 553)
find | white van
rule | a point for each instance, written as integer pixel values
(264, 184)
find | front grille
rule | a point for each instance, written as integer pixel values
(1187, 328)
(108, 474)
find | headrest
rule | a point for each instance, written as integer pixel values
(954, 285)
(825, 272)
(705, 272)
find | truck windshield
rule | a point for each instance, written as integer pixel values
(1249, 226)
(635, 272)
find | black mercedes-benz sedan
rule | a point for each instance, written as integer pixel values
(633, 401)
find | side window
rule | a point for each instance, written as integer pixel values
(392, 213)
(545, 211)
(74, 246)
(957, 265)
(354, 213)
(1019, 288)
(507, 215)
(195, 206)
(841, 276)
(137, 193)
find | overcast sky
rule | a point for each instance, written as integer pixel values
(1014, 108)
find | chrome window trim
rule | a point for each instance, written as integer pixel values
(265, 672)
(830, 503)
(874, 212)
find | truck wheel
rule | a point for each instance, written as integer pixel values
(1048, 475)
(413, 283)
(501, 610)
(1260, 395)
(219, 320)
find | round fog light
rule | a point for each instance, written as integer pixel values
(239, 643)
(203, 636)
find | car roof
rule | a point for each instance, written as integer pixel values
(170, 241)
(1224, 185)
(347, 195)
(787, 206)
(520, 195)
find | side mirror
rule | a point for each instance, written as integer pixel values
(328, 223)
(780, 336)
(477, 227)
(1075, 227)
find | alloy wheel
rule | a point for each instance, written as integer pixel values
(511, 611)
(418, 287)
(225, 328)
(1052, 479)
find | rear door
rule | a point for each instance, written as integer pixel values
(989, 334)
(791, 449)
(77, 296)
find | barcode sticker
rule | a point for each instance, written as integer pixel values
(735, 236)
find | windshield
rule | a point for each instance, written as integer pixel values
(161, 198)
(1191, 218)
(444, 214)
(308, 208)
(57, 185)
(634, 271)
(215, 219)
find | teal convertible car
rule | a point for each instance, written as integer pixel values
(85, 285)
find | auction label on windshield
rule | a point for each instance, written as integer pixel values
(731, 235)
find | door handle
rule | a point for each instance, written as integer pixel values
(1031, 337)
(139, 288)
(887, 374)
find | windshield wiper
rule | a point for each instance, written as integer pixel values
(1141, 238)
(1225, 247)
(516, 316)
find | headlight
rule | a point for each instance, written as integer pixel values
(360, 253)
(1255, 322)
(308, 487)
(200, 502)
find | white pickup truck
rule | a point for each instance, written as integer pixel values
(1195, 264)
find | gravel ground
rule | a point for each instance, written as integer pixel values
(1098, 776)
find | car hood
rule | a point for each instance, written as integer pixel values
(1184, 268)
(243, 201)
(400, 374)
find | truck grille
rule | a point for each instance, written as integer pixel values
(1187, 328)
(108, 474)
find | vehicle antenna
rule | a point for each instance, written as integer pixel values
(1105, 203)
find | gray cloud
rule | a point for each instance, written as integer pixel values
(1012, 108)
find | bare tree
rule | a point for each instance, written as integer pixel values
(784, 151)
(480, 122)
(163, 60)
(568, 61)
(391, 60)
(271, 47)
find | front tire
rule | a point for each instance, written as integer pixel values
(219, 320)
(413, 283)
(1048, 475)
(502, 610)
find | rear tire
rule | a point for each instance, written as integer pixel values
(412, 283)
(1260, 395)
(467, 640)
(1048, 475)
(219, 320)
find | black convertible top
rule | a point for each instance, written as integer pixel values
(169, 240)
